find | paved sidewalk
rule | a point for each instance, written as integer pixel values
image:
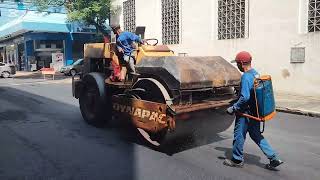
(34, 78)
(38, 75)
(23, 73)
(298, 104)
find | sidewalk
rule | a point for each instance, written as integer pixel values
(23, 73)
(38, 75)
(298, 104)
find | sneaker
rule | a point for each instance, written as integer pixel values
(229, 162)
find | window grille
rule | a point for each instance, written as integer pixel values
(314, 16)
(231, 19)
(170, 21)
(129, 15)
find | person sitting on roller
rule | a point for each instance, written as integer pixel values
(125, 46)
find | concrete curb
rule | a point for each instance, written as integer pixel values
(37, 75)
(298, 111)
(63, 81)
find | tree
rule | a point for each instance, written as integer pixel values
(43, 5)
(90, 12)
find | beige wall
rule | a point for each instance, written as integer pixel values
(274, 27)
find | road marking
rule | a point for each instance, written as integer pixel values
(318, 155)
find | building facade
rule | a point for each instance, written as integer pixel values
(32, 40)
(283, 36)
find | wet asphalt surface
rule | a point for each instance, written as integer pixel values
(43, 136)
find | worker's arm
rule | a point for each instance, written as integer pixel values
(136, 38)
(120, 49)
(244, 93)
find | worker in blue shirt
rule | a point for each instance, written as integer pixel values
(246, 104)
(125, 45)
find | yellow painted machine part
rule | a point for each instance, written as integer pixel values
(107, 50)
(98, 50)
(142, 53)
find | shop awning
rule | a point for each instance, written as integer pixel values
(35, 21)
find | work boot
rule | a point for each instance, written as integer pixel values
(273, 164)
(231, 163)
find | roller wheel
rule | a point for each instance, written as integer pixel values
(149, 91)
(95, 103)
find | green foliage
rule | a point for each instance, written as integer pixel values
(43, 5)
(90, 12)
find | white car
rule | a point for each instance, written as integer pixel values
(7, 70)
(72, 69)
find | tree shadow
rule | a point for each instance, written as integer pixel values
(201, 129)
(45, 138)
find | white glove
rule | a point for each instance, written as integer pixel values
(230, 110)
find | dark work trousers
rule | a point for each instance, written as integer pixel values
(244, 125)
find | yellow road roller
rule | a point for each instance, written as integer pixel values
(165, 92)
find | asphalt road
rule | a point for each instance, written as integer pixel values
(43, 136)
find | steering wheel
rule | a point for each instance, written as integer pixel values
(152, 44)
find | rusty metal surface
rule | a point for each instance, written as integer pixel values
(121, 85)
(213, 71)
(209, 104)
(147, 115)
(191, 72)
(158, 48)
(153, 117)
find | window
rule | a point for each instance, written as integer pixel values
(42, 44)
(314, 16)
(231, 19)
(129, 15)
(78, 62)
(170, 21)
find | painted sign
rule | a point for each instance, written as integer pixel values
(140, 110)
(143, 114)
(57, 61)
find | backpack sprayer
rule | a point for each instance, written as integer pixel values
(264, 100)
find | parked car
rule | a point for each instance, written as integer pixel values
(6, 70)
(73, 69)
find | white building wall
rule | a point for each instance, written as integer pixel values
(148, 14)
(274, 27)
(196, 28)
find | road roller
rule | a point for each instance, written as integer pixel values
(166, 91)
